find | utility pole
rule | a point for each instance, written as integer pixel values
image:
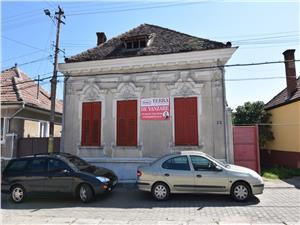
(58, 16)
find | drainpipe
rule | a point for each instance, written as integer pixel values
(224, 111)
(16, 113)
(63, 117)
(9, 119)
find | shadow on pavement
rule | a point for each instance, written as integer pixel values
(126, 198)
(295, 181)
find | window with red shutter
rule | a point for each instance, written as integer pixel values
(91, 124)
(127, 123)
(186, 121)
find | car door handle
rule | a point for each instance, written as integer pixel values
(199, 175)
(166, 174)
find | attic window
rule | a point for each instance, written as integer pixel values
(135, 43)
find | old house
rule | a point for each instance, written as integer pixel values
(143, 94)
(284, 150)
(25, 111)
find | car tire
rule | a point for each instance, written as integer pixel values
(85, 193)
(240, 192)
(17, 193)
(160, 191)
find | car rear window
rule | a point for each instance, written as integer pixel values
(16, 166)
(177, 163)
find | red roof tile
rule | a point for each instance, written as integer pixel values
(17, 87)
(282, 97)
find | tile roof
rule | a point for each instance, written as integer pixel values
(161, 41)
(282, 97)
(17, 87)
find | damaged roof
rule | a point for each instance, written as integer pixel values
(160, 40)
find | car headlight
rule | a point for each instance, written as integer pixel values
(103, 179)
(257, 177)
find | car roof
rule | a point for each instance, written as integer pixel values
(191, 153)
(50, 155)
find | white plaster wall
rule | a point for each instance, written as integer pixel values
(155, 138)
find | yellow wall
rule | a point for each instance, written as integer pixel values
(31, 128)
(57, 130)
(286, 128)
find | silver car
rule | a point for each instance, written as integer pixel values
(197, 172)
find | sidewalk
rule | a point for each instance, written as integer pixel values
(286, 183)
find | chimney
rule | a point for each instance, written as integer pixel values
(101, 38)
(290, 71)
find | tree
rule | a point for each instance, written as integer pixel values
(254, 113)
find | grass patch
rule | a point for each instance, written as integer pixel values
(280, 172)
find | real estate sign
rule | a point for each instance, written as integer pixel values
(155, 108)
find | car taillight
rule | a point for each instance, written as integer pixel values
(138, 173)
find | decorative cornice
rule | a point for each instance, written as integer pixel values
(187, 60)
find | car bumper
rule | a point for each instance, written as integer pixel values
(144, 185)
(5, 188)
(106, 187)
(257, 189)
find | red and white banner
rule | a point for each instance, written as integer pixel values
(155, 108)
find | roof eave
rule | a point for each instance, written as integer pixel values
(147, 62)
(282, 104)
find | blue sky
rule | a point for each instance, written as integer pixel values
(262, 30)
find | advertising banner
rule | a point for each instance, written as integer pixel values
(155, 108)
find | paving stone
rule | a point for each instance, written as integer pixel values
(280, 204)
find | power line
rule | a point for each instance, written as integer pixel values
(22, 15)
(33, 61)
(158, 82)
(266, 38)
(198, 68)
(20, 56)
(22, 43)
(133, 9)
(210, 67)
(257, 35)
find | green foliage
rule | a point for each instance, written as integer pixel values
(252, 113)
(280, 172)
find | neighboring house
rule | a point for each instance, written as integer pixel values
(143, 94)
(284, 150)
(25, 110)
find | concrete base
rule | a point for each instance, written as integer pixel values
(125, 168)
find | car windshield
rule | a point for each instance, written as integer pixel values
(78, 162)
(218, 161)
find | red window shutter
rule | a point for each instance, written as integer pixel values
(186, 121)
(86, 114)
(127, 123)
(91, 124)
(96, 124)
(179, 121)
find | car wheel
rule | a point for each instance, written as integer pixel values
(160, 191)
(17, 193)
(85, 193)
(241, 192)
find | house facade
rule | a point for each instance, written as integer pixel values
(145, 93)
(284, 150)
(25, 111)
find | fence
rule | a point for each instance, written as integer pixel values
(30, 146)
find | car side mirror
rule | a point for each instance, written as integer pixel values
(218, 168)
(65, 171)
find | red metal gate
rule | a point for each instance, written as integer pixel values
(246, 147)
